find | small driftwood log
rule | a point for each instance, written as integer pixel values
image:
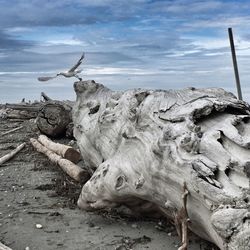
(20, 111)
(65, 151)
(7, 157)
(3, 247)
(32, 107)
(12, 130)
(19, 114)
(146, 144)
(53, 118)
(67, 166)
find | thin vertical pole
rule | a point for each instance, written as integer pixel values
(236, 72)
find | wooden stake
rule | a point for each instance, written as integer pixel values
(11, 154)
(236, 72)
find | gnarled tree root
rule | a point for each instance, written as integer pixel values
(144, 144)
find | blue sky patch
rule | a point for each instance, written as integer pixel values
(128, 44)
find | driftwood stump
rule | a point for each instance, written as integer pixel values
(145, 145)
(53, 118)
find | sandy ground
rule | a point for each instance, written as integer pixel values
(33, 191)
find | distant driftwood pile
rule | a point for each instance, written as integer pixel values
(185, 153)
(53, 118)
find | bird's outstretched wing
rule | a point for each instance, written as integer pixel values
(45, 78)
(77, 64)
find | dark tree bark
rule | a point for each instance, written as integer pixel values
(53, 118)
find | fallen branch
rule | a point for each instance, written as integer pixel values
(67, 166)
(45, 97)
(3, 247)
(12, 130)
(33, 107)
(66, 152)
(11, 154)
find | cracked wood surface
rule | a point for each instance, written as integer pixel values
(53, 118)
(33, 190)
(144, 144)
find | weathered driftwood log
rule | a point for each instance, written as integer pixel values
(67, 166)
(3, 247)
(18, 114)
(65, 151)
(29, 107)
(53, 118)
(12, 153)
(146, 144)
(12, 130)
(19, 111)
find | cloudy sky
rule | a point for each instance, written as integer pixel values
(167, 44)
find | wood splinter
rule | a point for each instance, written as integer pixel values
(182, 220)
(11, 154)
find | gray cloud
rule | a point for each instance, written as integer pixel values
(61, 13)
(31, 61)
(34, 13)
(8, 42)
(128, 43)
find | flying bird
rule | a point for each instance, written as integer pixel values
(69, 73)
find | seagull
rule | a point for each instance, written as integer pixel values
(69, 73)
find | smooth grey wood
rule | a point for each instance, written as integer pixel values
(144, 144)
